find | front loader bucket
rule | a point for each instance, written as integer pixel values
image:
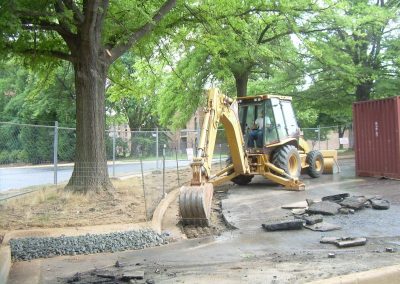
(195, 204)
(330, 159)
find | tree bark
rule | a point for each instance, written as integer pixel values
(241, 83)
(363, 91)
(90, 170)
(341, 130)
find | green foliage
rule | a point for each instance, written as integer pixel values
(66, 145)
(352, 58)
(36, 144)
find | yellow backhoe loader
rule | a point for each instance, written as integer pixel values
(264, 139)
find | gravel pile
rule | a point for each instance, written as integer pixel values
(31, 248)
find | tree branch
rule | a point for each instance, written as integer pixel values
(78, 16)
(260, 38)
(49, 53)
(90, 8)
(118, 50)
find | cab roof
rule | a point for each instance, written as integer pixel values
(262, 97)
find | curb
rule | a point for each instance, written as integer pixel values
(387, 275)
(5, 263)
(158, 215)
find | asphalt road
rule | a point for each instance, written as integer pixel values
(21, 177)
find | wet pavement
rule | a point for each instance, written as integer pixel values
(250, 254)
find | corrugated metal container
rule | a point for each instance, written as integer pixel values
(377, 137)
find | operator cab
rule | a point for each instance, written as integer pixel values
(267, 120)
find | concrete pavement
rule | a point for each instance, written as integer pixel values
(249, 254)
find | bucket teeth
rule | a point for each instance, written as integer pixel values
(195, 204)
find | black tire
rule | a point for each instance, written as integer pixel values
(240, 179)
(288, 159)
(315, 162)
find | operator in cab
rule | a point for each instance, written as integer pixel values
(256, 133)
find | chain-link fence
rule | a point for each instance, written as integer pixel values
(329, 137)
(153, 161)
(33, 155)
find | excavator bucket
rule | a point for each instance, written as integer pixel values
(195, 204)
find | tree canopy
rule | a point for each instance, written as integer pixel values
(150, 61)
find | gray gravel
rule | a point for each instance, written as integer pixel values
(31, 248)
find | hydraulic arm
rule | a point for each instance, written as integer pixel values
(195, 199)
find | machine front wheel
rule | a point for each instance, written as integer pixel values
(288, 159)
(315, 162)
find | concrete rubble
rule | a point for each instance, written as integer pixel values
(380, 204)
(311, 211)
(344, 242)
(291, 224)
(335, 197)
(323, 227)
(133, 274)
(311, 220)
(295, 205)
(324, 208)
(354, 202)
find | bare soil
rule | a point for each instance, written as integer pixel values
(53, 207)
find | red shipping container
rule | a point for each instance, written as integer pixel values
(377, 137)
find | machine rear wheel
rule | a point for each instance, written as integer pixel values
(288, 159)
(315, 162)
(242, 179)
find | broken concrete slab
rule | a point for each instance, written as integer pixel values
(351, 242)
(314, 219)
(283, 225)
(380, 204)
(323, 227)
(132, 274)
(106, 274)
(354, 202)
(346, 211)
(298, 211)
(336, 197)
(369, 197)
(295, 205)
(343, 242)
(329, 240)
(311, 220)
(324, 208)
(310, 201)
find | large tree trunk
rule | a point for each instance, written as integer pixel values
(241, 83)
(341, 131)
(90, 170)
(363, 91)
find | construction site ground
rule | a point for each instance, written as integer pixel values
(249, 253)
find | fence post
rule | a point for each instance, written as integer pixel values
(163, 171)
(157, 148)
(319, 137)
(55, 151)
(143, 186)
(113, 149)
(220, 153)
(177, 165)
